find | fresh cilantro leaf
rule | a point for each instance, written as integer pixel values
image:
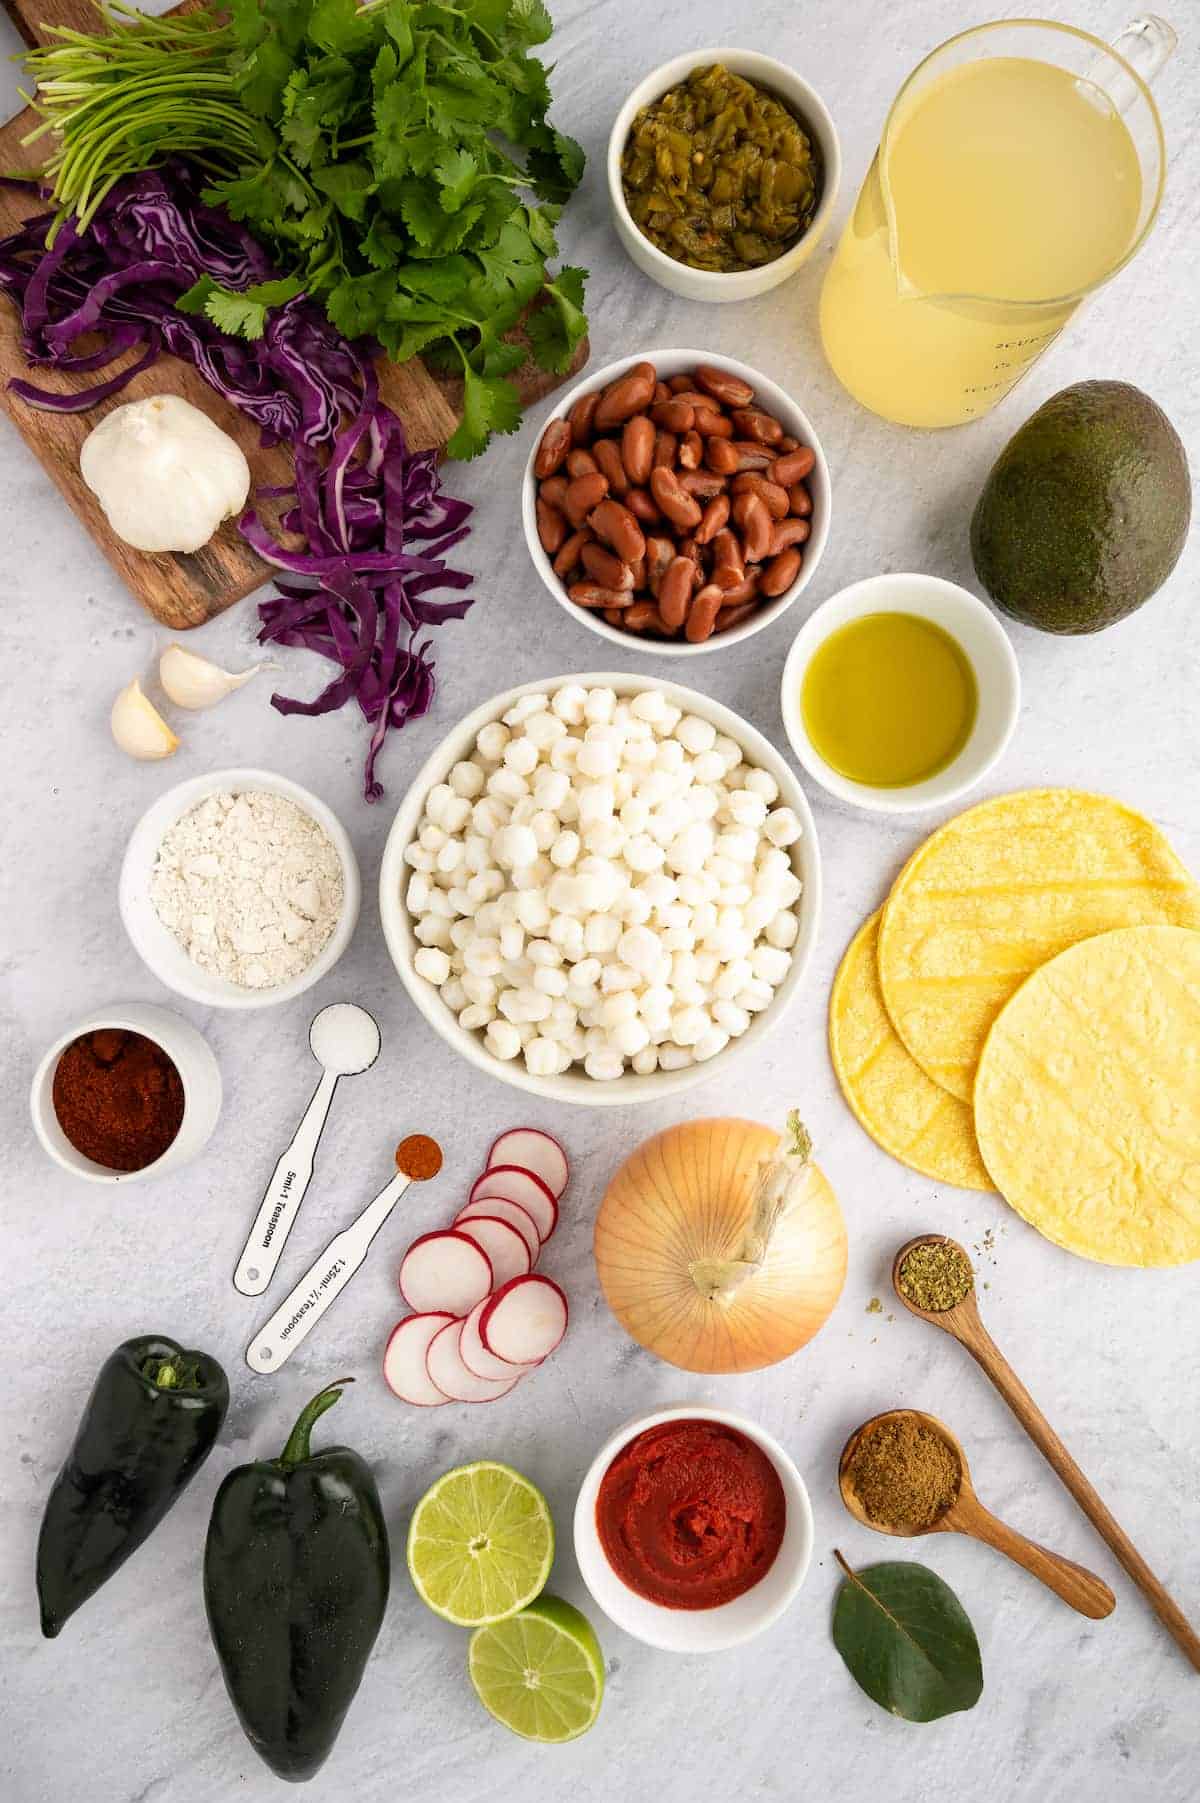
(490, 404)
(195, 298)
(556, 329)
(404, 340)
(530, 21)
(396, 18)
(383, 246)
(503, 358)
(355, 305)
(348, 186)
(555, 165)
(541, 222)
(243, 313)
(340, 25)
(458, 172)
(421, 211)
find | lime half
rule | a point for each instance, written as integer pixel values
(480, 1544)
(541, 1672)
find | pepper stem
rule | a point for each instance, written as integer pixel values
(173, 1373)
(298, 1449)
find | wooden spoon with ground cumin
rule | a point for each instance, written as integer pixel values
(905, 1473)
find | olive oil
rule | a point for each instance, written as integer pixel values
(888, 700)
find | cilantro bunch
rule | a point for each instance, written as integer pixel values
(394, 158)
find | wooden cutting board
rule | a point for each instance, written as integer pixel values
(183, 590)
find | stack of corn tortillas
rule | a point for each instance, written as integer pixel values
(1023, 1014)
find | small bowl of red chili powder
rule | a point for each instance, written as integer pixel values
(129, 1093)
(693, 1529)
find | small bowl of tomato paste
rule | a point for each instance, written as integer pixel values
(693, 1529)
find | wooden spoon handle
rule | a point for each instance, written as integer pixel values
(1081, 1588)
(987, 1354)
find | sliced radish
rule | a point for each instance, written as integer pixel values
(475, 1355)
(523, 1322)
(532, 1150)
(404, 1368)
(499, 1208)
(507, 1249)
(446, 1272)
(516, 1185)
(448, 1373)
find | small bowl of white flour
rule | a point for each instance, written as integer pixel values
(239, 889)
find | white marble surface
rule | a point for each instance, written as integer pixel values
(128, 1707)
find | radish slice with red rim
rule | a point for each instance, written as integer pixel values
(445, 1271)
(506, 1248)
(499, 1208)
(517, 1185)
(524, 1322)
(448, 1373)
(476, 1357)
(404, 1368)
(534, 1151)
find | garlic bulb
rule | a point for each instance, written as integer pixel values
(138, 727)
(164, 474)
(192, 681)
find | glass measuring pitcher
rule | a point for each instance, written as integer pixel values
(1020, 167)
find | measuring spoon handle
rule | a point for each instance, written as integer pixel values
(988, 1356)
(1081, 1588)
(321, 1284)
(284, 1193)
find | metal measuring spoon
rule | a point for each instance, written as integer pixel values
(344, 1040)
(965, 1514)
(963, 1323)
(417, 1159)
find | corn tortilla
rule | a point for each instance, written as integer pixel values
(1087, 1102)
(1000, 890)
(902, 1109)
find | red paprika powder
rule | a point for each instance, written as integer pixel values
(118, 1098)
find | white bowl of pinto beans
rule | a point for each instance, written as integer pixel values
(676, 502)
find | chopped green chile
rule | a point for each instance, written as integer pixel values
(718, 174)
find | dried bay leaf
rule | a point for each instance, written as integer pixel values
(906, 1640)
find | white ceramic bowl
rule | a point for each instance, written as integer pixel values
(158, 947)
(696, 1630)
(795, 422)
(810, 109)
(982, 638)
(574, 1085)
(191, 1057)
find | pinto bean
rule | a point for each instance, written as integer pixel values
(675, 591)
(729, 389)
(666, 448)
(629, 394)
(673, 500)
(618, 528)
(606, 568)
(661, 393)
(741, 592)
(795, 467)
(773, 497)
(592, 594)
(715, 516)
(702, 615)
(752, 456)
(704, 484)
(637, 449)
(660, 552)
(568, 558)
(691, 451)
(552, 451)
(584, 493)
(800, 500)
(581, 463)
(753, 423)
(583, 417)
(789, 532)
(609, 463)
(641, 506)
(678, 383)
(554, 490)
(750, 513)
(711, 424)
(785, 444)
(733, 616)
(643, 616)
(781, 572)
(721, 457)
(675, 415)
(552, 528)
(729, 566)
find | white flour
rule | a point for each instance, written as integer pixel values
(250, 886)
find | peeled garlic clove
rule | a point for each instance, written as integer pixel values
(139, 728)
(192, 681)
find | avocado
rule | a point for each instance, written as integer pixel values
(1085, 511)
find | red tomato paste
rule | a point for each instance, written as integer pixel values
(691, 1514)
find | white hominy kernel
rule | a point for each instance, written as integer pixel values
(632, 907)
(526, 1031)
(689, 851)
(417, 857)
(707, 966)
(705, 916)
(650, 705)
(723, 870)
(638, 754)
(617, 1008)
(630, 1037)
(533, 1005)
(761, 782)
(571, 939)
(605, 838)
(502, 1039)
(696, 735)
(643, 854)
(659, 889)
(596, 759)
(476, 1016)
(533, 911)
(455, 814)
(601, 933)
(640, 948)
(739, 844)
(604, 1066)
(545, 1058)
(736, 895)
(670, 818)
(654, 1004)
(757, 910)
(674, 1058)
(583, 996)
(436, 802)
(416, 896)
(432, 930)
(482, 957)
(670, 756)
(600, 706)
(449, 857)
(635, 814)
(523, 811)
(783, 930)
(432, 964)
(524, 707)
(440, 903)
(491, 740)
(505, 785)
(531, 876)
(709, 767)
(478, 988)
(568, 810)
(568, 703)
(782, 827)
(550, 981)
(476, 855)
(615, 977)
(488, 815)
(747, 808)
(487, 922)
(730, 1017)
(466, 779)
(431, 837)
(520, 755)
(512, 940)
(645, 1062)
(730, 752)
(514, 847)
(733, 979)
(544, 826)
(565, 850)
(755, 996)
(709, 1044)
(596, 802)
(790, 889)
(461, 933)
(701, 804)
(771, 964)
(551, 787)
(544, 730)
(678, 939)
(563, 754)
(622, 784)
(541, 951)
(453, 994)
(689, 1024)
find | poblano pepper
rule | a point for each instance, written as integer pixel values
(149, 1425)
(296, 1577)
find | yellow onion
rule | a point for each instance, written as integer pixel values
(720, 1245)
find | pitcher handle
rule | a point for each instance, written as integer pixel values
(1146, 43)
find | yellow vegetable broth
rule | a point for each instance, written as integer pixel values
(889, 700)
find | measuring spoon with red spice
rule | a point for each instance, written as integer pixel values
(417, 1158)
(965, 1514)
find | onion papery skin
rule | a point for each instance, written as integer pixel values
(686, 1194)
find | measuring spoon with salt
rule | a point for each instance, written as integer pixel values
(344, 1040)
(417, 1159)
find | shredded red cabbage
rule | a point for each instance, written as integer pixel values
(355, 589)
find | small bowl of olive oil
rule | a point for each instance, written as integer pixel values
(900, 692)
